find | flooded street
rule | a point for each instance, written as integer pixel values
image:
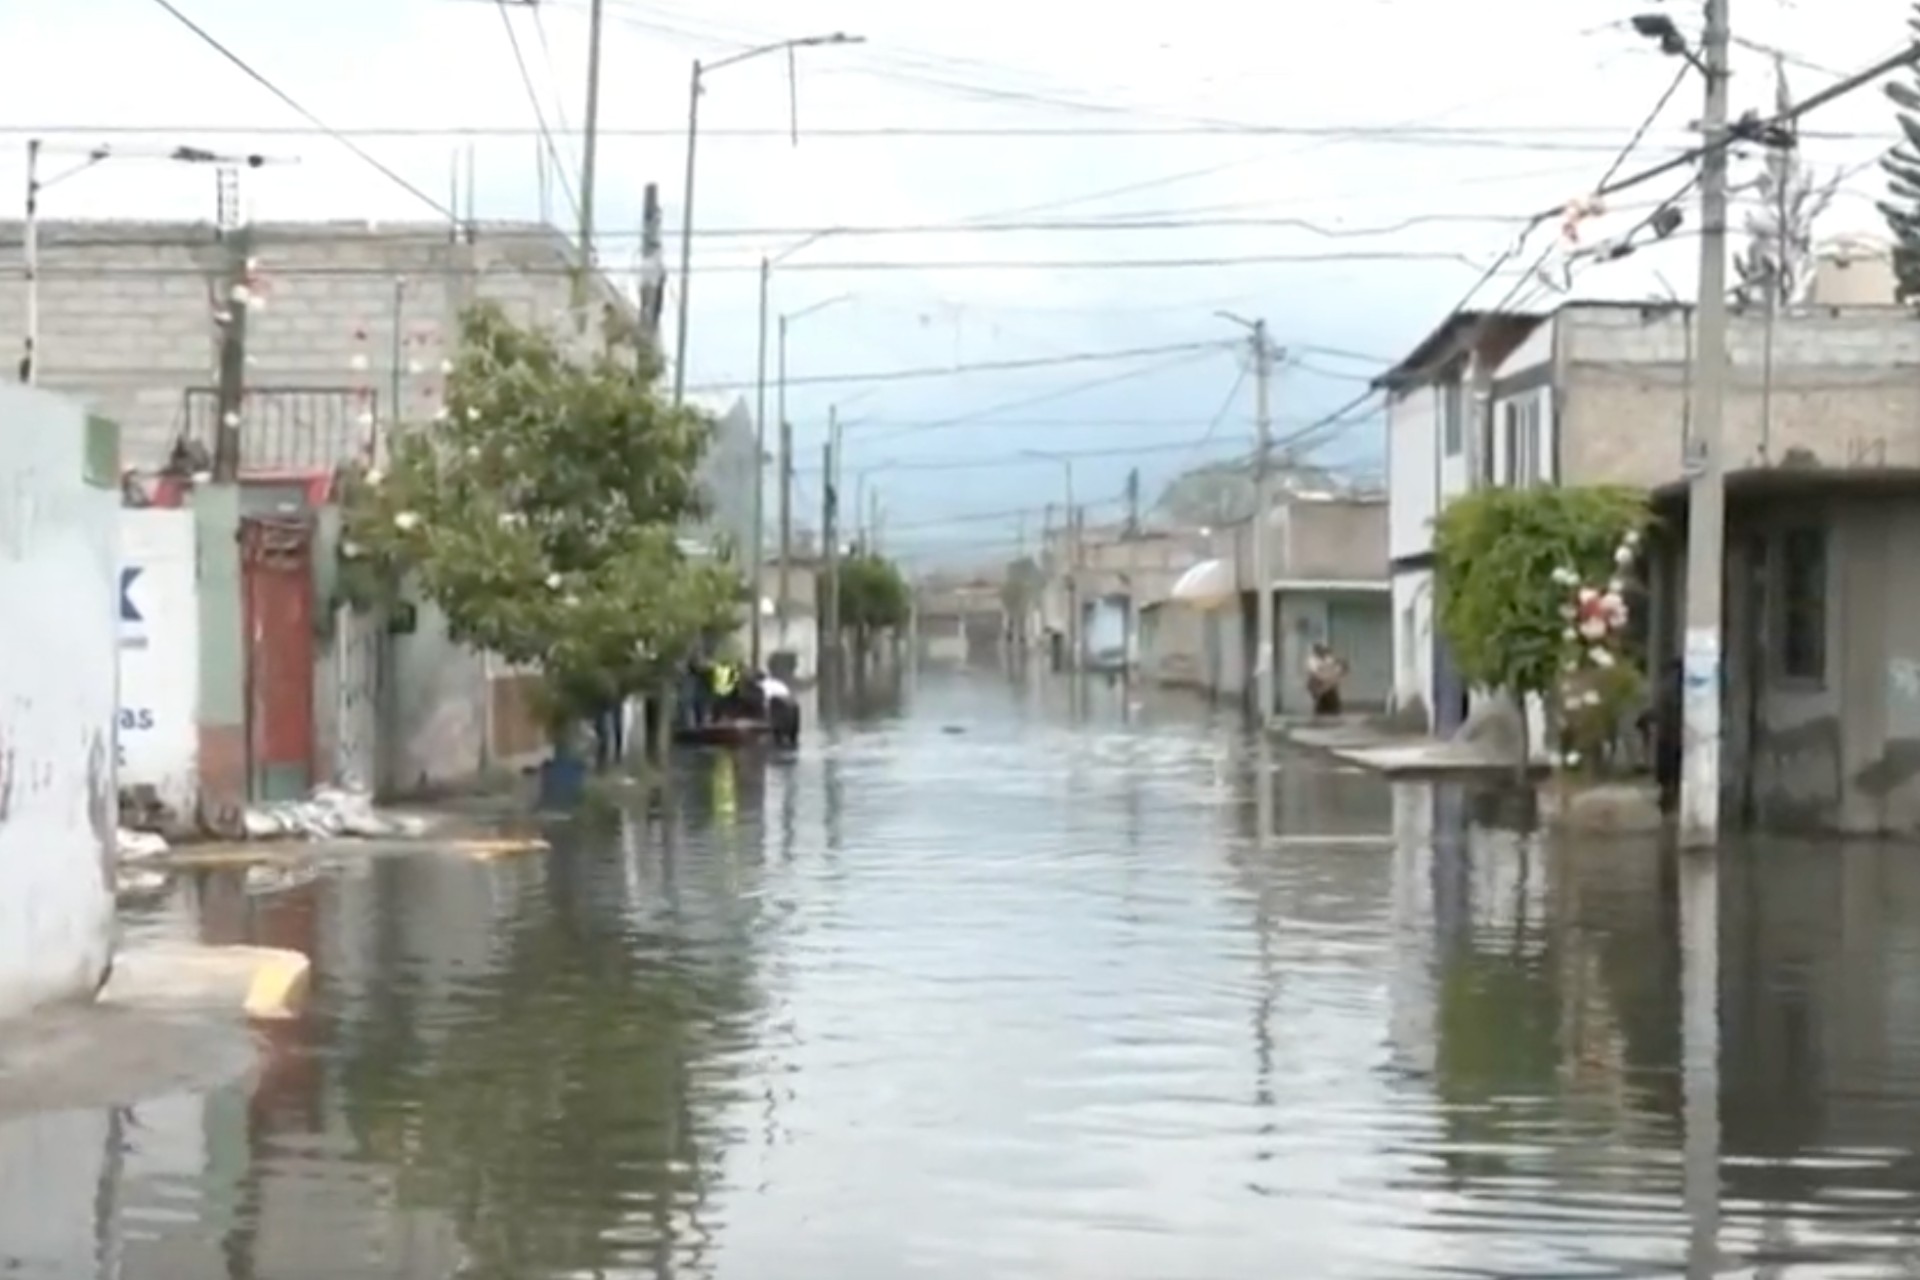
(983, 985)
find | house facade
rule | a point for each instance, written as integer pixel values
(1821, 447)
(349, 336)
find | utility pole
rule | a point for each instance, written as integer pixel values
(785, 596)
(757, 553)
(30, 258)
(588, 153)
(1131, 618)
(1262, 502)
(231, 316)
(1706, 515)
(653, 273)
(830, 548)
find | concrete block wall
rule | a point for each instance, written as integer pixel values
(126, 311)
(59, 572)
(1845, 391)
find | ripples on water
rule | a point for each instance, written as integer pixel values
(991, 987)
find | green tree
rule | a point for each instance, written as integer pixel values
(542, 514)
(1511, 567)
(1902, 166)
(874, 597)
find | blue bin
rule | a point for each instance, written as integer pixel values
(563, 781)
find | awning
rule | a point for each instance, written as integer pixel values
(1206, 585)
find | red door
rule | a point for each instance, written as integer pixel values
(276, 565)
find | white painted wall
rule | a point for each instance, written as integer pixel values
(1413, 438)
(59, 574)
(1413, 638)
(159, 738)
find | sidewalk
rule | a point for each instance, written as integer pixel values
(174, 1017)
(1370, 746)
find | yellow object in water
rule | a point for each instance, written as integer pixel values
(494, 850)
(280, 984)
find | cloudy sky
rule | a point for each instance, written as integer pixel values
(1070, 189)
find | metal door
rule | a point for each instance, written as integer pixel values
(276, 560)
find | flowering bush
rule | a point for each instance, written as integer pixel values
(1520, 575)
(1600, 682)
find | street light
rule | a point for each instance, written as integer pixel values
(1073, 553)
(783, 604)
(757, 555)
(700, 71)
(30, 231)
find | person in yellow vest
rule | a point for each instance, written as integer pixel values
(725, 687)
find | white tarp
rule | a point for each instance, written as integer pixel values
(159, 736)
(1206, 585)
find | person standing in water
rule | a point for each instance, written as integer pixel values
(1325, 670)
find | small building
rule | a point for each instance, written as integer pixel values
(1821, 446)
(1327, 566)
(60, 575)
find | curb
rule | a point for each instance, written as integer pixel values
(280, 984)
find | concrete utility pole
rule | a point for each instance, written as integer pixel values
(1263, 359)
(756, 554)
(653, 272)
(830, 547)
(783, 601)
(1131, 619)
(30, 261)
(232, 319)
(1706, 514)
(590, 146)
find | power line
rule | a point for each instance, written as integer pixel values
(287, 100)
(893, 466)
(984, 416)
(984, 366)
(539, 114)
(1497, 137)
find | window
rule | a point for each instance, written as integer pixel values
(1803, 604)
(1520, 422)
(1452, 414)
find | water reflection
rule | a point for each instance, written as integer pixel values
(992, 986)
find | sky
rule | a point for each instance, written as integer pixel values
(1012, 228)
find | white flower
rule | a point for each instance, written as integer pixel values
(473, 453)
(473, 414)
(1588, 595)
(440, 414)
(241, 294)
(406, 522)
(1615, 586)
(351, 551)
(570, 601)
(1593, 628)
(1632, 539)
(1565, 576)
(1623, 557)
(446, 366)
(1568, 612)
(1573, 759)
(1612, 602)
(1602, 658)
(1570, 634)
(553, 581)
(375, 476)
(1591, 698)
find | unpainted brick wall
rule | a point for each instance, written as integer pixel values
(1845, 391)
(126, 311)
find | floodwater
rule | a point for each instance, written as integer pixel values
(988, 985)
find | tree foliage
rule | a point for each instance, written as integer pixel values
(1777, 261)
(874, 595)
(1902, 166)
(1504, 560)
(542, 513)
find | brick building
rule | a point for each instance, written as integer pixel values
(1822, 448)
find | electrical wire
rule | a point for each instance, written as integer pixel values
(985, 416)
(539, 113)
(288, 101)
(984, 366)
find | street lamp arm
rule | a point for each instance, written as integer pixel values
(780, 46)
